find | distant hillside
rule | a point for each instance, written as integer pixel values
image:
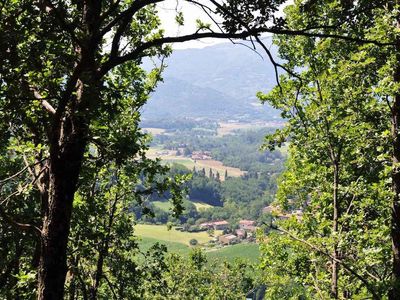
(216, 82)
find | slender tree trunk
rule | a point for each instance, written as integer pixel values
(103, 252)
(395, 291)
(335, 227)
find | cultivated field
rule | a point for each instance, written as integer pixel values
(169, 156)
(201, 205)
(249, 252)
(161, 233)
(229, 127)
(166, 205)
(154, 131)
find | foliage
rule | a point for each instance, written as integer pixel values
(337, 171)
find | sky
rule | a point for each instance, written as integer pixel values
(167, 12)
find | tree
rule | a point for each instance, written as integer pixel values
(333, 166)
(193, 242)
(57, 77)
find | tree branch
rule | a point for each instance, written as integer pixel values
(60, 16)
(139, 51)
(343, 264)
(21, 226)
(21, 171)
(127, 14)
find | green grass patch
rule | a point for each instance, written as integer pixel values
(248, 252)
(164, 205)
(160, 232)
(173, 247)
(201, 205)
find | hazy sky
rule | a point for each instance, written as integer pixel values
(167, 12)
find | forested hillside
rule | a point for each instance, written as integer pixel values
(217, 82)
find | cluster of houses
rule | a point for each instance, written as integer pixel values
(279, 214)
(201, 155)
(247, 227)
(245, 231)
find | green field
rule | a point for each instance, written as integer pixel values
(178, 242)
(174, 247)
(164, 205)
(160, 232)
(248, 252)
(201, 205)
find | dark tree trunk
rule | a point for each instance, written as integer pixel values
(395, 232)
(63, 177)
(69, 140)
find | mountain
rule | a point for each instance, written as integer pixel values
(217, 82)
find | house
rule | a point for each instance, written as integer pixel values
(220, 225)
(207, 225)
(228, 239)
(268, 209)
(216, 225)
(298, 213)
(201, 155)
(271, 209)
(240, 233)
(243, 224)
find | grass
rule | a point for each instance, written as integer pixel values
(173, 247)
(164, 205)
(161, 233)
(248, 252)
(215, 165)
(201, 205)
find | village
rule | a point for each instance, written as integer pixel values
(246, 229)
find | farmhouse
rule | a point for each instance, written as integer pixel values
(240, 233)
(228, 239)
(216, 225)
(201, 155)
(243, 224)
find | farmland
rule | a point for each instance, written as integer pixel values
(160, 232)
(225, 128)
(243, 251)
(170, 157)
(166, 205)
(178, 242)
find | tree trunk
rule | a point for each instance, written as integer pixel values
(63, 177)
(395, 232)
(335, 227)
(66, 156)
